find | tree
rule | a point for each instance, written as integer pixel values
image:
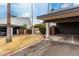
(24, 26)
(9, 38)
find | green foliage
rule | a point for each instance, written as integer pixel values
(41, 27)
(24, 26)
(42, 30)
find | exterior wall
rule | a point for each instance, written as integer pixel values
(53, 30)
(68, 28)
(20, 31)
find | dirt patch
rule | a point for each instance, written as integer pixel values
(17, 43)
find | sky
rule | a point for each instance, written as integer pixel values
(24, 10)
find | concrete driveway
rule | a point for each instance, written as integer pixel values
(58, 49)
(45, 48)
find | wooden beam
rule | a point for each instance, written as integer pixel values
(62, 20)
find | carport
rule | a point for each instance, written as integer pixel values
(14, 29)
(67, 21)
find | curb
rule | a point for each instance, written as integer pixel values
(66, 43)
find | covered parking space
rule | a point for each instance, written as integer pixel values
(14, 29)
(67, 23)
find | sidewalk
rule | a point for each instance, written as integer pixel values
(70, 39)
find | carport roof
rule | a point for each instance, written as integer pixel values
(11, 25)
(66, 13)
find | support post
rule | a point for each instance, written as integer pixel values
(11, 31)
(32, 30)
(72, 39)
(24, 31)
(47, 31)
(17, 31)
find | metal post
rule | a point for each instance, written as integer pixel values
(32, 17)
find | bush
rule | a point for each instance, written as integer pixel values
(39, 26)
(42, 28)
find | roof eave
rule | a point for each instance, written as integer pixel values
(62, 14)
